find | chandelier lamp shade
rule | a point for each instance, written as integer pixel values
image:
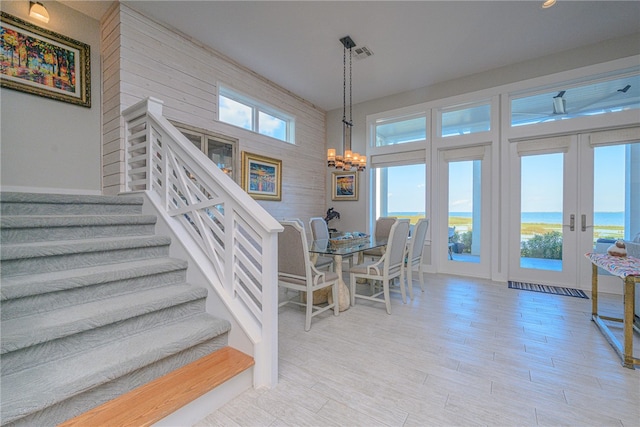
(348, 159)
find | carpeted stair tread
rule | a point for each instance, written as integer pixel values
(55, 204)
(18, 197)
(38, 328)
(36, 221)
(36, 284)
(55, 248)
(61, 379)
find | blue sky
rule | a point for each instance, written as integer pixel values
(541, 178)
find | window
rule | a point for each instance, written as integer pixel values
(400, 191)
(465, 120)
(246, 113)
(220, 149)
(400, 130)
(567, 102)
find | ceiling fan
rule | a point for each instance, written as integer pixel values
(576, 102)
(585, 105)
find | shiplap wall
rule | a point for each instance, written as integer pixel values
(143, 58)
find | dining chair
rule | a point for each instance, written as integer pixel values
(320, 231)
(415, 248)
(318, 261)
(381, 231)
(296, 272)
(389, 267)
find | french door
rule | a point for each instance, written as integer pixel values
(465, 206)
(568, 194)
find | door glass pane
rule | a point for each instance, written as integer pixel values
(616, 194)
(541, 207)
(221, 154)
(401, 192)
(464, 210)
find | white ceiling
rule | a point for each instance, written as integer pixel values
(415, 43)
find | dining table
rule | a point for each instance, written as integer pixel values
(338, 251)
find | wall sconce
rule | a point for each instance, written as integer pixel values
(38, 11)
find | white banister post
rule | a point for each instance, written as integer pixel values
(153, 106)
(230, 213)
(127, 179)
(267, 351)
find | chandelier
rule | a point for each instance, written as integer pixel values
(348, 159)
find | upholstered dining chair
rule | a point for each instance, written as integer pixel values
(320, 231)
(381, 231)
(318, 261)
(296, 272)
(415, 248)
(389, 267)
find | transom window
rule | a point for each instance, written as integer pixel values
(239, 110)
(570, 101)
(400, 130)
(465, 120)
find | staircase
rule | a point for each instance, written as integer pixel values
(92, 306)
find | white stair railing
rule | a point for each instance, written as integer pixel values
(239, 238)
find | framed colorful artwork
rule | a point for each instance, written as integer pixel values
(41, 62)
(345, 186)
(261, 176)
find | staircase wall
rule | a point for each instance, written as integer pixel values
(184, 248)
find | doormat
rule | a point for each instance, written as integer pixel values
(556, 290)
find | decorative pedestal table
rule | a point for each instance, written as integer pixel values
(627, 269)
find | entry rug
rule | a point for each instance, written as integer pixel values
(557, 290)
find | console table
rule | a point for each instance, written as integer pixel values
(627, 269)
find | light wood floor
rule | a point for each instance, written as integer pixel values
(463, 353)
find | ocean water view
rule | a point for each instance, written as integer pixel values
(601, 218)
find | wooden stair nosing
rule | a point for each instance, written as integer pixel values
(159, 398)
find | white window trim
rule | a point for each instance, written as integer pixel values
(258, 107)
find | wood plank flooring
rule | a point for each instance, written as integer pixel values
(465, 352)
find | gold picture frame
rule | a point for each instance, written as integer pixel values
(261, 176)
(344, 186)
(44, 63)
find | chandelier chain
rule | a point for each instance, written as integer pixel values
(350, 90)
(344, 84)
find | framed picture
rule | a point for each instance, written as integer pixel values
(44, 63)
(345, 186)
(261, 176)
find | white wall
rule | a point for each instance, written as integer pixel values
(353, 214)
(48, 145)
(145, 58)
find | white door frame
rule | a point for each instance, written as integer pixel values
(568, 146)
(483, 268)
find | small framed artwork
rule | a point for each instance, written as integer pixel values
(345, 186)
(261, 176)
(40, 62)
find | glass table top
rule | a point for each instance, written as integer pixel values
(323, 246)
